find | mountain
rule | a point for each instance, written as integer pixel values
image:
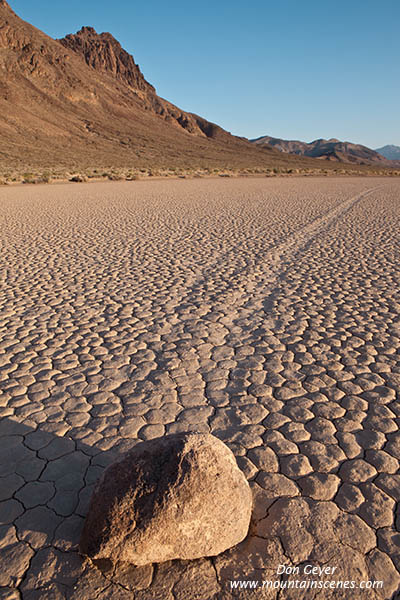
(330, 150)
(390, 152)
(288, 146)
(103, 53)
(82, 102)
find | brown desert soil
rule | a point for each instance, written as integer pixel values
(265, 311)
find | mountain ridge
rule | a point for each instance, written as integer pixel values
(390, 151)
(104, 54)
(57, 110)
(329, 150)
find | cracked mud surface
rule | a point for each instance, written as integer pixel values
(263, 311)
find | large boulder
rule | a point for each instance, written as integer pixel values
(180, 496)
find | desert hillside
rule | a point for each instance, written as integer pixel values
(83, 101)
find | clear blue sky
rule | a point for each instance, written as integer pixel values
(296, 69)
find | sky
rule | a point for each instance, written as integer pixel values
(293, 69)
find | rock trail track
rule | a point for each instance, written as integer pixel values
(264, 311)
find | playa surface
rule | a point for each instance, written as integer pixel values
(265, 311)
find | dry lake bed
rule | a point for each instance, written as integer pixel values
(265, 311)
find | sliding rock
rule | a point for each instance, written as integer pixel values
(181, 496)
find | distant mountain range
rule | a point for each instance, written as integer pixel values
(390, 152)
(330, 150)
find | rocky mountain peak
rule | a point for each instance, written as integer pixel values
(6, 7)
(87, 30)
(104, 53)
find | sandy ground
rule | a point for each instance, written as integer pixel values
(265, 311)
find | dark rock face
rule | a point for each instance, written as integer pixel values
(181, 496)
(105, 54)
